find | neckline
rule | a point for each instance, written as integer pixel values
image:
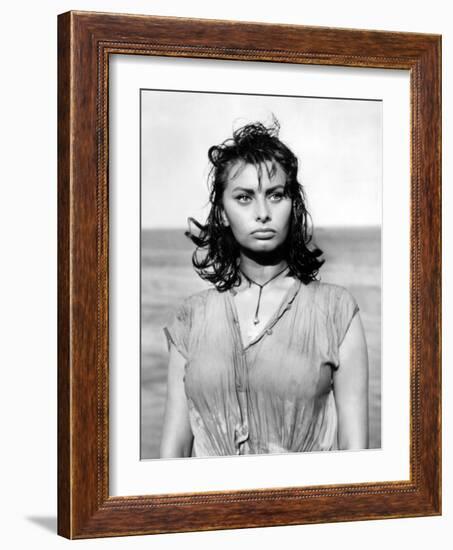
(287, 299)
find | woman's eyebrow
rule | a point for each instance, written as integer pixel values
(247, 189)
(252, 190)
(274, 187)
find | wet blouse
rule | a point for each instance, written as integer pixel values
(275, 394)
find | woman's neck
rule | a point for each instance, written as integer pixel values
(263, 270)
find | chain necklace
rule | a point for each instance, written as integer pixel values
(256, 320)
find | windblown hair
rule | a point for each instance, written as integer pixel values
(216, 256)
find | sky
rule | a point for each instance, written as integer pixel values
(338, 143)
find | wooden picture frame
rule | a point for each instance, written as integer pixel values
(85, 42)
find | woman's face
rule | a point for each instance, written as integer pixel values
(258, 212)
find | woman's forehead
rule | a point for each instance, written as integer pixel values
(244, 174)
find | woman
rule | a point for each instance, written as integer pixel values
(269, 360)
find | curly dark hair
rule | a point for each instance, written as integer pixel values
(216, 256)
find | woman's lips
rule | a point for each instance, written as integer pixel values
(263, 233)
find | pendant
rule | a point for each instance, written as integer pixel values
(256, 320)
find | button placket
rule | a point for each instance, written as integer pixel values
(241, 432)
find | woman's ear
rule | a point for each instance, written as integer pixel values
(225, 220)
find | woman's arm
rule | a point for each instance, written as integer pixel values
(177, 435)
(351, 389)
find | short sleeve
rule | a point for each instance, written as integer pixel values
(177, 330)
(345, 310)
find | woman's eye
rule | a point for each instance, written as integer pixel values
(243, 198)
(276, 197)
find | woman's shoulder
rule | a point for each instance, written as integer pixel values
(198, 299)
(321, 288)
(330, 296)
(337, 306)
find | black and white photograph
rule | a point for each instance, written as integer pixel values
(261, 219)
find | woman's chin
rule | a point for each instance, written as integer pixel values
(262, 247)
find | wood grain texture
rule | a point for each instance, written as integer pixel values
(64, 368)
(85, 42)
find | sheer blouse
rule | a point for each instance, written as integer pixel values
(275, 394)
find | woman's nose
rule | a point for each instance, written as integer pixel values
(262, 210)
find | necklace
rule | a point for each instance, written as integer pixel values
(256, 320)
